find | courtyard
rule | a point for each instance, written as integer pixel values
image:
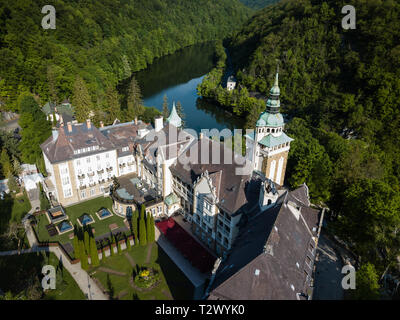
(76, 214)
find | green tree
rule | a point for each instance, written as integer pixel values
(142, 231)
(5, 163)
(367, 286)
(35, 129)
(113, 107)
(76, 245)
(127, 71)
(128, 243)
(369, 217)
(181, 114)
(83, 256)
(81, 100)
(86, 241)
(134, 101)
(12, 184)
(94, 255)
(165, 111)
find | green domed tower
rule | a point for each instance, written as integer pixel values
(269, 143)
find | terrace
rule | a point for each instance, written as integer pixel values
(91, 208)
(56, 214)
(131, 192)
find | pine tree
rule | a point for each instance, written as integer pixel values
(135, 217)
(81, 100)
(54, 122)
(136, 241)
(76, 245)
(103, 253)
(142, 231)
(111, 249)
(165, 111)
(16, 166)
(126, 68)
(148, 228)
(181, 114)
(83, 256)
(119, 248)
(94, 255)
(134, 103)
(86, 241)
(113, 108)
(153, 230)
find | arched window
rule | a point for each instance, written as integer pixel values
(269, 201)
(268, 130)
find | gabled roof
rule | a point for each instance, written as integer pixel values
(230, 185)
(61, 147)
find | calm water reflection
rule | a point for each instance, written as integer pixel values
(177, 76)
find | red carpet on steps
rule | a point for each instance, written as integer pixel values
(199, 257)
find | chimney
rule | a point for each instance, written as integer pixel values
(69, 126)
(88, 123)
(200, 135)
(158, 123)
(101, 124)
(136, 120)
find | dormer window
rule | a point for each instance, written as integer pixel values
(125, 149)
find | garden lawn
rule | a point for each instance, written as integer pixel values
(173, 283)
(74, 212)
(21, 271)
(21, 206)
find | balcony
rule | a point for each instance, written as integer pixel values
(100, 171)
(82, 176)
(91, 174)
(92, 184)
(109, 169)
(82, 187)
(122, 165)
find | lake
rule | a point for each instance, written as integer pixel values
(177, 76)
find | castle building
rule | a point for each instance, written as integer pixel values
(269, 145)
(151, 167)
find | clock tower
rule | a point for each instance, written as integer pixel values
(270, 144)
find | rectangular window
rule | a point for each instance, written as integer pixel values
(83, 194)
(67, 193)
(107, 155)
(125, 149)
(78, 162)
(88, 160)
(98, 158)
(92, 192)
(65, 180)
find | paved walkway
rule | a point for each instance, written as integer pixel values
(111, 271)
(85, 283)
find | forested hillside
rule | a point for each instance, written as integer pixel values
(101, 41)
(258, 4)
(341, 90)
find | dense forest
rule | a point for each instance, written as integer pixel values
(258, 4)
(340, 89)
(102, 42)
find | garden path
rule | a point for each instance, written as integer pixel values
(85, 283)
